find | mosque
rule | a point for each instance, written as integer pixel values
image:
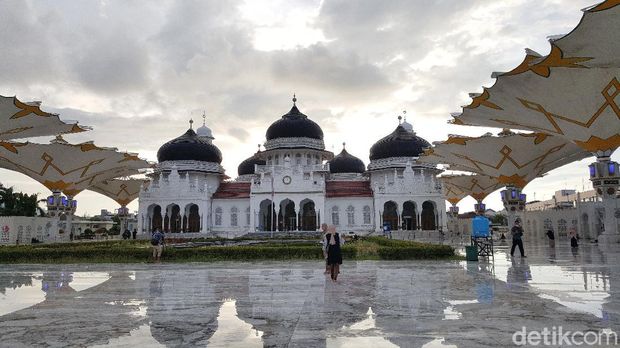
(294, 184)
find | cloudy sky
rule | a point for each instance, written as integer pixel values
(137, 71)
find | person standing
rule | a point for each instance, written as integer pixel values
(517, 238)
(551, 237)
(334, 254)
(134, 233)
(157, 241)
(324, 246)
(574, 243)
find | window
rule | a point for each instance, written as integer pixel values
(233, 216)
(351, 215)
(562, 226)
(298, 159)
(308, 159)
(269, 161)
(335, 217)
(218, 216)
(247, 216)
(367, 215)
(277, 159)
(306, 176)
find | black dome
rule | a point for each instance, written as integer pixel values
(294, 125)
(400, 143)
(189, 147)
(247, 166)
(344, 162)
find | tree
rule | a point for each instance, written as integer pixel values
(500, 219)
(18, 203)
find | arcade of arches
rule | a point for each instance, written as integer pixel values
(173, 220)
(286, 216)
(410, 218)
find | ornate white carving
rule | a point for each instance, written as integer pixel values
(280, 143)
(197, 166)
(398, 162)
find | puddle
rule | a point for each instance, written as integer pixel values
(139, 337)
(438, 343)
(86, 280)
(366, 324)
(232, 331)
(139, 312)
(19, 292)
(449, 313)
(569, 286)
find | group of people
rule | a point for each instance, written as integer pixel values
(517, 238)
(128, 235)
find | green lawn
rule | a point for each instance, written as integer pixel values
(370, 248)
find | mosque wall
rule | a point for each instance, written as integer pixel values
(16, 230)
(350, 214)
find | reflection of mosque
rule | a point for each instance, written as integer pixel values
(293, 185)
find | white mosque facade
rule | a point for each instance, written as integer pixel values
(294, 184)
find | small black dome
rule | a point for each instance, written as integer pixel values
(189, 147)
(247, 166)
(344, 162)
(294, 125)
(400, 143)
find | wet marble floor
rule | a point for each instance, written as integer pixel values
(292, 304)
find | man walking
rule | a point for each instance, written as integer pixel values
(517, 235)
(157, 241)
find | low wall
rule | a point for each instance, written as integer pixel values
(21, 229)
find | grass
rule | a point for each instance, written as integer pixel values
(132, 251)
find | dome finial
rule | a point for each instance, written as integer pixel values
(405, 115)
(204, 118)
(399, 118)
(344, 145)
(294, 99)
(258, 147)
(191, 122)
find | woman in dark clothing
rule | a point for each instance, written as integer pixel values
(334, 255)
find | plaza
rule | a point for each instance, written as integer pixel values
(274, 304)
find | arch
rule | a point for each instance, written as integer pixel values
(287, 219)
(366, 214)
(218, 216)
(193, 219)
(390, 214)
(409, 216)
(547, 224)
(234, 216)
(172, 221)
(156, 219)
(335, 215)
(266, 215)
(308, 215)
(585, 225)
(428, 216)
(247, 216)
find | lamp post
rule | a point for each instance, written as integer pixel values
(605, 180)
(514, 201)
(453, 215)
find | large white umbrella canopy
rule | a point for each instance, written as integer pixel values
(574, 92)
(69, 168)
(25, 120)
(511, 158)
(457, 187)
(123, 191)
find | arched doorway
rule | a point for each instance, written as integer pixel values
(409, 216)
(156, 220)
(175, 218)
(266, 216)
(585, 226)
(390, 215)
(193, 221)
(428, 216)
(308, 215)
(287, 219)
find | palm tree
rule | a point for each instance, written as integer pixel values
(18, 203)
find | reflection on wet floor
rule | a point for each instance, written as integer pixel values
(375, 304)
(232, 331)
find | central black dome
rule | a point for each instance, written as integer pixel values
(247, 166)
(189, 147)
(344, 162)
(400, 143)
(294, 125)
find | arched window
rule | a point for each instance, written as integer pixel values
(277, 159)
(218, 216)
(547, 224)
(308, 159)
(351, 215)
(233, 216)
(366, 215)
(298, 159)
(561, 226)
(335, 216)
(269, 160)
(247, 216)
